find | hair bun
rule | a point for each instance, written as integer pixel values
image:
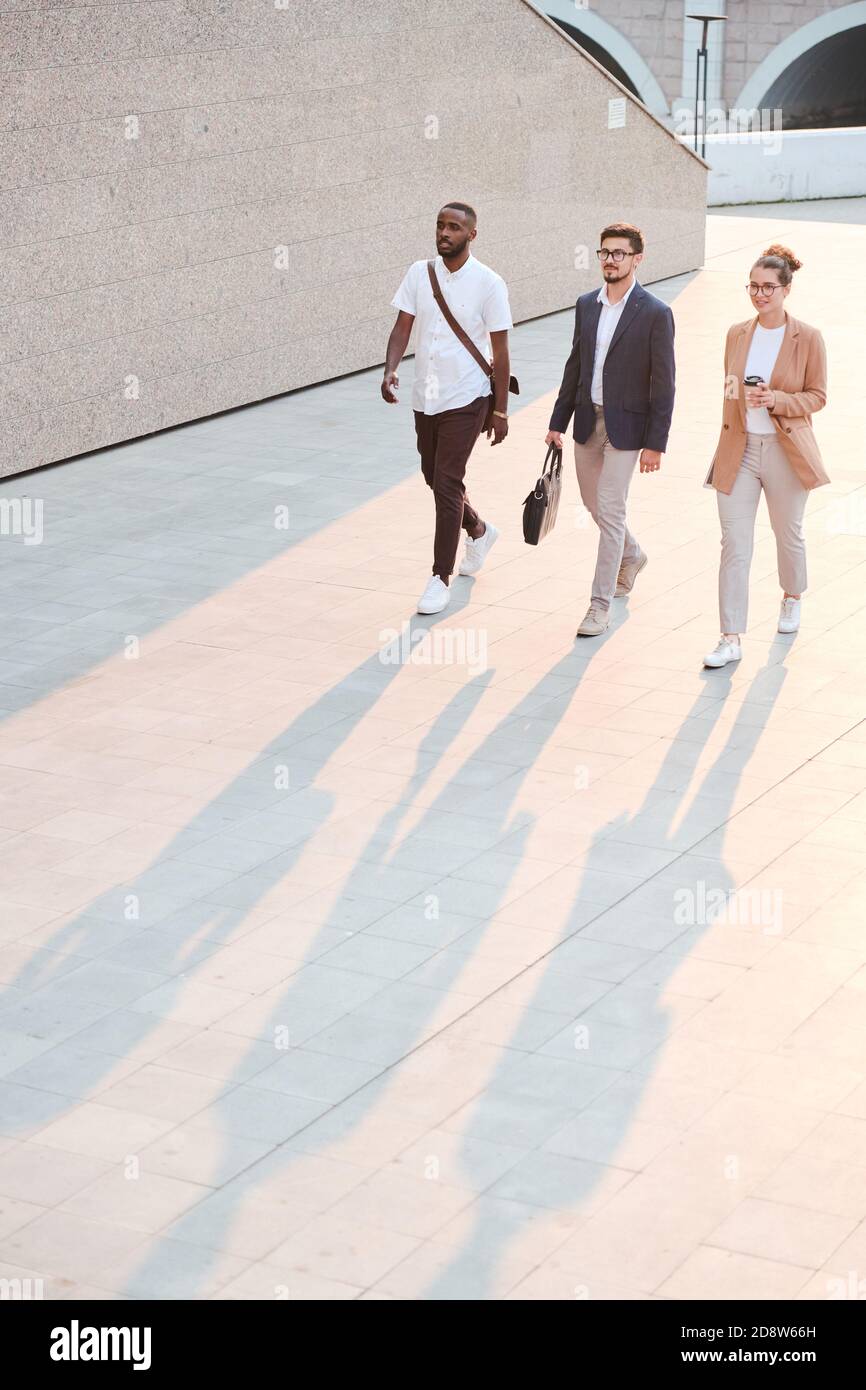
(785, 254)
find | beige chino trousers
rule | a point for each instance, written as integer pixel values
(603, 476)
(763, 467)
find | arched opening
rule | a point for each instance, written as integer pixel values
(823, 87)
(807, 43)
(611, 49)
(600, 55)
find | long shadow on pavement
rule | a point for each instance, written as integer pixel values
(537, 1098)
(384, 1027)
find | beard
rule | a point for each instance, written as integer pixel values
(455, 248)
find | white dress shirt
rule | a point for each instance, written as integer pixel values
(763, 351)
(607, 322)
(446, 374)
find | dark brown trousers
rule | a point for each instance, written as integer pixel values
(445, 442)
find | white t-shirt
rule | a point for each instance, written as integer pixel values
(763, 351)
(446, 373)
(607, 321)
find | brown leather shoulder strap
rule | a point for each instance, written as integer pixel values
(453, 324)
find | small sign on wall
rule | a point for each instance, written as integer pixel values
(616, 113)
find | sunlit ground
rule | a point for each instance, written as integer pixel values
(349, 954)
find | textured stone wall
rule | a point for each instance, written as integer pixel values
(211, 202)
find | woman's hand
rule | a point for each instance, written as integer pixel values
(759, 396)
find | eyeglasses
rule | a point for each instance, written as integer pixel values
(617, 255)
(761, 289)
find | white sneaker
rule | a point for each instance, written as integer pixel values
(435, 597)
(476, 551)
(726, 651)
(789, 615)
(595, 622)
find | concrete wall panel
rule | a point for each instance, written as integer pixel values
(153, 159)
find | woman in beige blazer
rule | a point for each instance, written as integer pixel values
(766, 444)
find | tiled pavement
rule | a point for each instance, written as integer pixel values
(329, 975)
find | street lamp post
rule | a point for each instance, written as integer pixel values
(706, 20)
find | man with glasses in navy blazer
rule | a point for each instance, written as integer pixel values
(619, 385)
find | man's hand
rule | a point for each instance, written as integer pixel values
(498, 428)
(553, 437)
(650, 460)
(396, 351)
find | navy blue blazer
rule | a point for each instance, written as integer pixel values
(638, 376)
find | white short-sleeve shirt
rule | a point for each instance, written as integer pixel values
(446, 373)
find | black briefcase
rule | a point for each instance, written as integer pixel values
(542, 504)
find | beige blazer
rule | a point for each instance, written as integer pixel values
(799, 380)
